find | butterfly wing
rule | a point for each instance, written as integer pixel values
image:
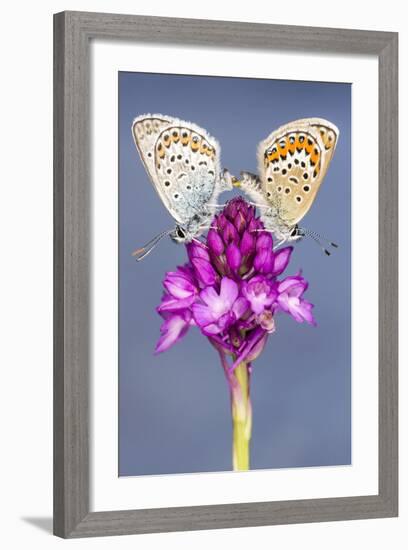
(293, 161)
(182, 161)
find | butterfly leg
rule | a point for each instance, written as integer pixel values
(280, 243)
(258, 205)
(200, 242)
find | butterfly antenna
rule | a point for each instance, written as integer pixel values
(145, 250)
(334, 245)
(317, 240)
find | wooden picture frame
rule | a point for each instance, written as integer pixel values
(72, 34)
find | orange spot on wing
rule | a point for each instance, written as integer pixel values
(292, 146)
(315, 157)
(195, 145)
(297, 143)
(204, 147)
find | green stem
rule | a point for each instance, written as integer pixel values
(241, 411)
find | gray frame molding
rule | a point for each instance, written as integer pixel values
(72, 33)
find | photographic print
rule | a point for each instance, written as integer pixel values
(234, 274)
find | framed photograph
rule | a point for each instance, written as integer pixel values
(225, 274)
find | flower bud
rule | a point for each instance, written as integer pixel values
(204, 271)
(233, 256)
(247, 243)
(263, 261)
(281, 260)
(214, 242)
(239, 222)
(230, 234)
(264, 241)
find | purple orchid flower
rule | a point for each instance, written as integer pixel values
(219, 311)
(260, 292)
(230, 290)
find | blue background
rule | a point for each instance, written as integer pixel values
(174, 412)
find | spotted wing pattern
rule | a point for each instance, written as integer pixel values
(293, 161)
(182, 161)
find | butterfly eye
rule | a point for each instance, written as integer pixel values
(294, 231)
(180, 233)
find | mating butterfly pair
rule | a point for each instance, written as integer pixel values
(183, 162)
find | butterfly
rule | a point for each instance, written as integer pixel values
(292, 163)
(183, 163)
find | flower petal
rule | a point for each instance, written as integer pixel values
(210, 297)
(202, 315)
(204, 271)
(169, 303)
(195, 250)
(240, 306)
(211, 329)
(178, 286)
(281, 260)
(288, 282)
(173, 329)
(228, 291)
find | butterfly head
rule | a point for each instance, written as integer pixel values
(229, 181)
(295, 233)
(180, 234)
